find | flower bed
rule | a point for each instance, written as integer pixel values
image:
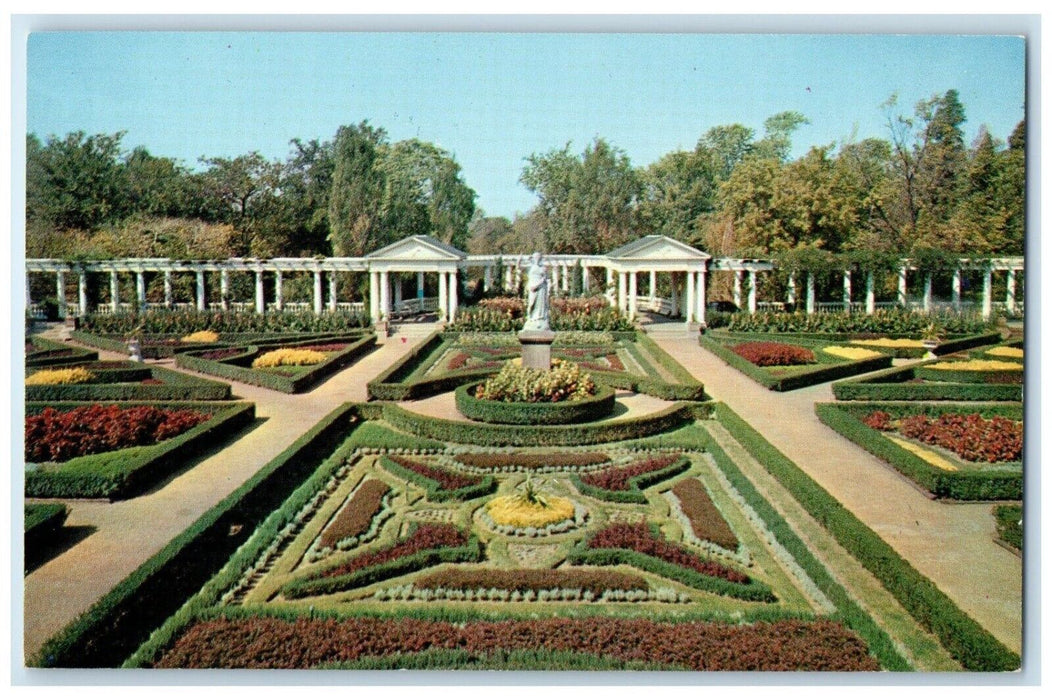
(72, 375)
(41, 352)
(970, 436)
(131, 381)
(356, 515)
(584, 410)
(706, 521)
(288, 357)
(527, 461)
(266, 642)
(769, 354)
(905, 384)
(849, 353)
(440, 484)
(623, 478)
(973, 372)
(522, 580)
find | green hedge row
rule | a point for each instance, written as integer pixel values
(435, 492)
(539, 435)
(959, 376)
(950, 345)
(171, 322)
(302, 588)
(754, 590)
(900, 409)
(160, 346)
(176, 387)
(115, 626)
(634, 494)
(974, 647)
(289, 385)
(880, 644)
(818, 375)
(981, 485)
(895, 385)
(587, 410)
(42, 519)
(44, 354)
(125, 473)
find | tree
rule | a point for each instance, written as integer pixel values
(358, 185)
(488, 235)
(679, 189)
(728, 145)
(245, 188)
(778, 131)
(154, 186)
(589, 201)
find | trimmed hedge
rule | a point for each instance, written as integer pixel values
(268, 380)
(894, 385)
(302, 588)
(43, 519)
(821, 373)
(540, 435)
(951, 344)
(594, 408)
(634, 494)
(961, 376)
(435, 492)
(974, 647)
(989, 483)
(115, 626)
(48, 353)
(176, 387)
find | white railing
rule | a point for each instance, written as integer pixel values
(416, 305)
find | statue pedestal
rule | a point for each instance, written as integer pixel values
(537, 349)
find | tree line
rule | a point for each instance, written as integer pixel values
(919, 191)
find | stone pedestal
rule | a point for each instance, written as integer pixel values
(537, 349)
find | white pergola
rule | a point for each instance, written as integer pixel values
(685, 265)
(418, 256)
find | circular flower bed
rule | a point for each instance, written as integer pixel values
(531, 513)
(585, 410)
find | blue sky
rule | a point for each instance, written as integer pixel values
(493, 99)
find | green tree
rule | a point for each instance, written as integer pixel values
(246, 189)
(679, 189)
(358, 186)
(489, 235)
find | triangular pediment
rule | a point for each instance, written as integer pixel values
(418, 248)
(657, 248)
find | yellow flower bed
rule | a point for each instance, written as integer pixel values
(75, 375)
(890, 343)
(201, 337)
(1006, 352)
(851, 353)
(520, 511)
(979, 366)
(936, 460)
(286, 357)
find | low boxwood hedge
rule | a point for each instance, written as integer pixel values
(634, 494)
(804, 375)
(951, 344)
(986, 484)
(121, 621)
(898, 384)
(239, 368)
(43, 519)
(962, 376)
(125, 473)
(585, 410)
(48, 353)
(972, 646)
(175, 386)
(435, 492)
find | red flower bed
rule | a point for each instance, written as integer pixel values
(512, 306)
(972, 437)
(705, 519)
(640, 539)
(487, 460)
(766, 354)
(425, 536)
(580, 305)
(265, 642)
(447, 480)
(62, 435)
(458, 361)
(532, 580)
(617, 479)
(354, 518)
(151, 382)
(218, 355)
(878, 420)
(331, 347)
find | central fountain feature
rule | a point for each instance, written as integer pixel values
(536, 335)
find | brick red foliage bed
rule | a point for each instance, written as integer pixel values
(532, 580)
(62, 435)
(640, 539)
(970, 436)
(446, 479)
(354, 518)
(488, 460)
(790, 645)
(767, 354)
(617, 479)
(705, 519)
(426, 536)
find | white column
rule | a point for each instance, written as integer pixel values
(987, 298)
(374, 296)
(115, 292)
(82, 294)
(792, 288)
(1010, 295)
(317, 291)
(633, 289)
(622, 292)
(691, 306)
(738, 288)
(261, 304)
(443, 299)
(168, 296)
(60, 293)
(752, 291)
(927, 292)
(224, 289)
(584, 278)
(700, 293)
(653, 288)
(674, 284)
(453, 297)
(332, 291)
(810, 293)
(957, 288)
(487, 278)
(507, 278)
(902, 287)
(279, 291)
(200, 290)
(871, 294)
(140, 290)
(847, 290)
(385, 295)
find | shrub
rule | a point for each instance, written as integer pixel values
(201, 337)
(539, 413)
(558, 460)
(446, 480)
(850, 353)
(288, 357)
(767, 354)
(165, 321)
(440, 484)
(73, 375)
(1010, 524)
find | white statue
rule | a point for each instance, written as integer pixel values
(536, 296)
